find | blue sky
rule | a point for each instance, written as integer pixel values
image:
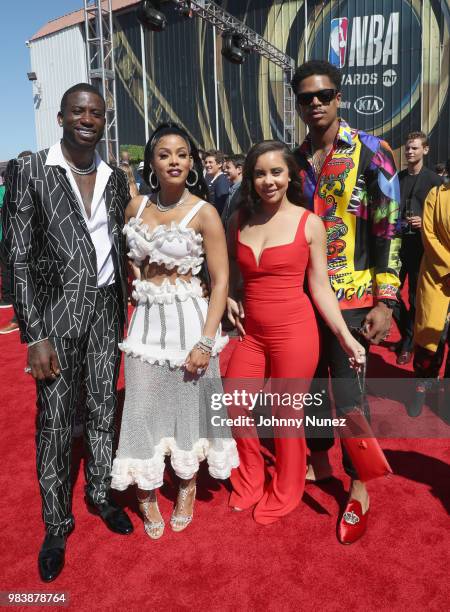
(20, 19)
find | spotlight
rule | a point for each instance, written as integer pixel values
(242, 42)
(185, 9)
(234, 47)
(150, 16)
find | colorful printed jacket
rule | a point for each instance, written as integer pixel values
(357, 196)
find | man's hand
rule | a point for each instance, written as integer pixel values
(43, 361)
(377, 323)
(416, 222)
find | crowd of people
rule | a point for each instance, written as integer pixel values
(306, 252)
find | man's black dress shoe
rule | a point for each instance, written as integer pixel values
(414, 408)
(51, 557)
(112, 515)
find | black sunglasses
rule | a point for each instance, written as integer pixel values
(324, 95)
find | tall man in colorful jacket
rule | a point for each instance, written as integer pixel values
(350, 181)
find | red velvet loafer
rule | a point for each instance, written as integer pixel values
(353, 523)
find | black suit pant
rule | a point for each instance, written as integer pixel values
(411, 257)
(347, 395)
(91, 360)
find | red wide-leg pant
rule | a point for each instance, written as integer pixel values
(283, 354)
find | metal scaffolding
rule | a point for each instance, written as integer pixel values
(215, 15)
(98, 23)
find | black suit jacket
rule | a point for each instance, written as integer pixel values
(49, 251)
(426, 180)
(218, 191)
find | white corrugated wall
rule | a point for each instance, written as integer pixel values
(59, 61)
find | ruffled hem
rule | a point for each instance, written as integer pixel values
(166, 292)
(175, 359)
(148, 474)
(144, 243)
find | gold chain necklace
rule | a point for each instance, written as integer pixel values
(318, 159)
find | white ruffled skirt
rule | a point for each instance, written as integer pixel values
(166, 410)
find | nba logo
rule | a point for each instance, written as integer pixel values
(338, 42)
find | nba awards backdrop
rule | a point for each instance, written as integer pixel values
(394, 56)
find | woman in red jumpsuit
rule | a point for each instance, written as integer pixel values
(273, 243)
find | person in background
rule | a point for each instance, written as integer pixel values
(233, 171)
(124, 159)
(202, 154)
(24, 154)
(6, 300)
(440, 169)
(349, 179)
(416, 181)
(144, 189)
(446, 175)
(432, 324)
(134, 191)
(218, 183)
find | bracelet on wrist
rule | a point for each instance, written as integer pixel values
(206, 350)
(206, 341)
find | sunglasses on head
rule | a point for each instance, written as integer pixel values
(324, 96)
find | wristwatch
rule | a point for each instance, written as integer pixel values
(387, 302)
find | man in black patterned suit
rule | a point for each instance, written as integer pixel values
(62, 222)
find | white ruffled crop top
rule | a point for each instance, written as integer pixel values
(169, 317)
(174, 246)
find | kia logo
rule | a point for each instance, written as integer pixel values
(369, 105)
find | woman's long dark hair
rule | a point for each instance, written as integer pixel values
(250, 202)
(200, 188)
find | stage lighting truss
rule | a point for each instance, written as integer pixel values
(224, 22)
(150, 16)
(98, 23)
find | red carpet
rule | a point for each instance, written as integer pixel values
(224, 560)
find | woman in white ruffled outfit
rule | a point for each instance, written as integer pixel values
(174, 337)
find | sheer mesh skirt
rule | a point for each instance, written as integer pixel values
(167, 412)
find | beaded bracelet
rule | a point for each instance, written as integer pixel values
(206, 341)
(205, 344)
(204, 349)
